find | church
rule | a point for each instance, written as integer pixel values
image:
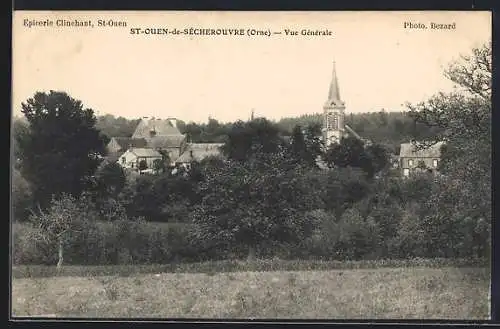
(334, 128)
(409, 160)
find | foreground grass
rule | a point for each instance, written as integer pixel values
(210, 267)
(394, 293)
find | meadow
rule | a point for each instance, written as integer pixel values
(422, 289)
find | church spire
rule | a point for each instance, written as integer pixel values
(333, 93)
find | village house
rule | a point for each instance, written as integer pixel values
(198, 152)
(153, 138)
(118, 145)
(161, 135)
(412, 159)
(132, 158)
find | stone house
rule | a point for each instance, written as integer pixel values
(412, 160)
(198, 152)
(161, 135)
(118, 145)
(133, 156)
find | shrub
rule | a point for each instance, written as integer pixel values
(357, 237)
(110, 243)
(323, 241)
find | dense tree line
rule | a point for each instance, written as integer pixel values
(268, 195)
(385, 128)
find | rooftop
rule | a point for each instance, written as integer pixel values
(145, 152)
(408, 150)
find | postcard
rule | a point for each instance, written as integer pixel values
(251, 165)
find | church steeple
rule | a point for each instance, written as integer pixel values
(333, 92)
(333, 122)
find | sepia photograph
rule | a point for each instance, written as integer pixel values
(251, 165)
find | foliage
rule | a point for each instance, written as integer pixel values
(158, 166)
(353, 152)
(112, 126)
(21, 196)
(20, 128)
(357, 236)
(252, 202)
(122, 242)
(248, 138)
(267, 198)
(64, 217)
(60, 152)
(343, 187)
(161, 198)
(306, 145)
(143, 165)
(464, 118)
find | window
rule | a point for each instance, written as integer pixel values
(332, 121)
(410, 163)
(406, 172)
(435, 163)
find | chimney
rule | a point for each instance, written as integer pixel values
(173, 122)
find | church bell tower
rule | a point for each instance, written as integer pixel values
(333, 120)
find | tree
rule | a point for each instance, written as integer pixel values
(158, 166)
(349, 152)
(352, 152)
(63, 217)
(21, 196)
(298, 145)
(357, 236)
(143, 165)
(110, 178)
(247, 138)
(20, 128)
(109, 181)
(247, 204)
(61, 150)
(313, 142)
(464, 119)
(379, 158)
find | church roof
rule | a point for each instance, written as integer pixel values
(333, 92)
(159, 126)
(408, 150)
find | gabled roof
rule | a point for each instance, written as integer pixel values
(199, 151)
(145, 152)
(166, 141)
(408, 151)
(126, 142)
(159, 126)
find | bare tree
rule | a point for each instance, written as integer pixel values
(54, 225)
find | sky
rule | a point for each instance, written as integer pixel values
(379, 63)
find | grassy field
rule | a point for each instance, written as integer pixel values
(418, 292)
